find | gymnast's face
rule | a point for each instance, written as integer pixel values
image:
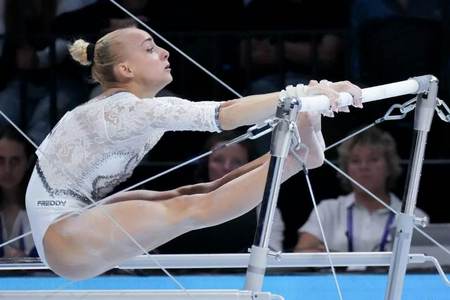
(13, 163)
(368, 166)
(144, 63)
(225, 160)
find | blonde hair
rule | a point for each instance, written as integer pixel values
(104, 59)
(373, 137)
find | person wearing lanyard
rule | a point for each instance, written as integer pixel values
(356, 222)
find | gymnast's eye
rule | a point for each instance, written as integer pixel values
(150, 50)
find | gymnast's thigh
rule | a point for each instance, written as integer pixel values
(101, 228)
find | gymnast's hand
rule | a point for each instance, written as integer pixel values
(309, 123)
(329, 89)
(332, 90)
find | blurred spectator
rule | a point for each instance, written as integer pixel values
(235, 235)
(276, 60)
(356, 221)
(30, 58)
(396, 39)
(15, 162)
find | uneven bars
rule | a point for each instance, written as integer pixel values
(320, 103)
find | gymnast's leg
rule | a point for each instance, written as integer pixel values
(89, 244)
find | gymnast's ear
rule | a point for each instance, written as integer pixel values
(123, 71)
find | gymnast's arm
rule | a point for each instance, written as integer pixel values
(257, 108)
(309, 125)
(247, 110)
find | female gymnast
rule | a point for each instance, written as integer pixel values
(98, 144)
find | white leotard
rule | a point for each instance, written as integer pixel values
(97, 145)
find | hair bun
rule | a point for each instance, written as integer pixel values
(79, 52)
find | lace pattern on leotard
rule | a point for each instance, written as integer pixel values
(98, 145)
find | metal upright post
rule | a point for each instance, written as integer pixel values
(425, 106)
(282, 134)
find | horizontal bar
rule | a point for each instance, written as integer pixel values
(319, 103)
(214, 261)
